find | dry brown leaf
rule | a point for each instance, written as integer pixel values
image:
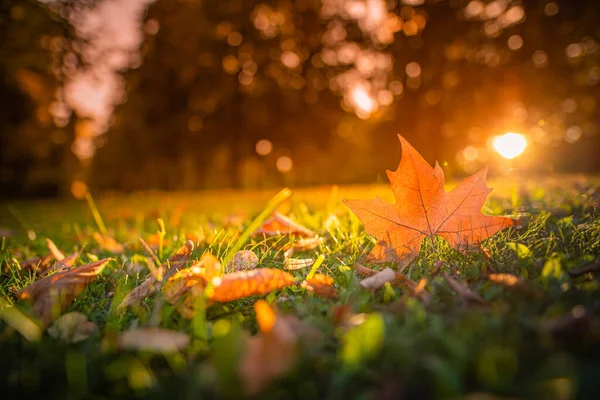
(400, 280)
(378, 280)
(62, 265)
(72, 327)
(155, 340)
(364, 271)
(243, 260)
(164, 272)
(424, 209)
(293, 264)
(108, 243)
(272, 352)
(249, 283)
(180, 283)
(506, 280)
(209, 265)
(52, 295)
(321, 279)
(279, 224)
(305, 244)
(513, 283)
(321, 285)
(37, 264)
(341, 315)
(182, 289)
(56, 253)
(464, 291)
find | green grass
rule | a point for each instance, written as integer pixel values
(408, 350)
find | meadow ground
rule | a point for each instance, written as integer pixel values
(538, 338)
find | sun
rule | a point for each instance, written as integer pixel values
(509, 145)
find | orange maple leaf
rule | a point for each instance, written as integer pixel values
(424, 209)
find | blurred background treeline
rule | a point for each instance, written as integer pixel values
(192, 94)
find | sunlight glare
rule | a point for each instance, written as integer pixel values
(509, 145)
(363, 100)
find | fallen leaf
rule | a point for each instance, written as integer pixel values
(305, 244)
(154, 340)
(424, 209)
(400, 279)
(279, 224)
(507, 280)
(182, 281)
(209, 265)
(37, 264)
(243, 260)
(182, 289)
(514, 283)
(341, 315)
(72, 327)
(164, 272)
(294, 264)
(108, 243)
(56, 253)
(62, 265)
(464, 292)
(52, 295)
(321, 279)
(321, 285)
(378, 280)
(249, 283)
(272, 352)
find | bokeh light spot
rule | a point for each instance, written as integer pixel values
(78, 189)
(509, 145)
(573, 134)
(290, 59)
(284, 164)
(234, 39)
(515, 42)
(413, 69)
(264, 147)
(551, 9)
(540, 58)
